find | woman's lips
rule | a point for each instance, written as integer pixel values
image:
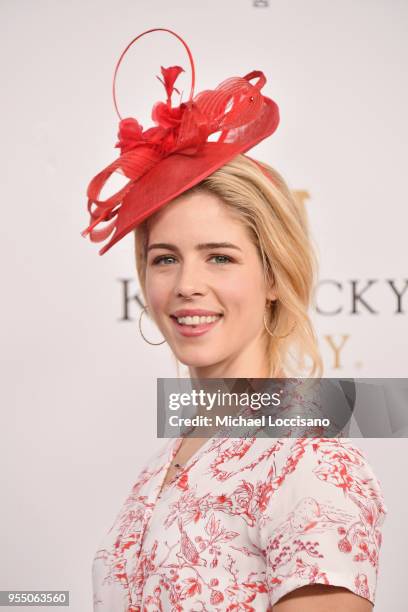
(194, 330)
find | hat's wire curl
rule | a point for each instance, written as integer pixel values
(190, 57)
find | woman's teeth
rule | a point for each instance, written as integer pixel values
(197, 320)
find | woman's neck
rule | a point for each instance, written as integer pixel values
(235, 370)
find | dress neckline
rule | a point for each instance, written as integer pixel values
(163, 488)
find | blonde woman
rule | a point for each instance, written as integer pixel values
(227, 271)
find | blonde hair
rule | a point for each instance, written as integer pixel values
(278, 226)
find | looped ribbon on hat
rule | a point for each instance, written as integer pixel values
(184, 129)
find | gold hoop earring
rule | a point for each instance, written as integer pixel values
(144, 309)
(271, 333)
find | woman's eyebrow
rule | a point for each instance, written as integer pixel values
(199, 247)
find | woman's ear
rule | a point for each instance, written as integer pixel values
(272, 295)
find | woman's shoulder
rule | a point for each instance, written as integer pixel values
(322, 477)
(336, 462)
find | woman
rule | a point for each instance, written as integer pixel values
(223, 523)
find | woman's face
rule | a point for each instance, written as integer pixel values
(202, 263)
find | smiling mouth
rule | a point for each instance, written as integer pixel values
(191, 327)
(196, 321)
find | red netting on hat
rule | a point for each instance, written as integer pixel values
(165, 160)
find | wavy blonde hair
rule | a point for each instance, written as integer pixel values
(258, 195)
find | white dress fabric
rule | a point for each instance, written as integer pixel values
(248, 521)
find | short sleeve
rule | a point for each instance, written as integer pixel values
(322, 518)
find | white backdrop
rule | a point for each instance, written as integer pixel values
(78, 409)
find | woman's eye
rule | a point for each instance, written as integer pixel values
(224, 258)
(161, 259)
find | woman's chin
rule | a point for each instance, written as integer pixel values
(197, 359)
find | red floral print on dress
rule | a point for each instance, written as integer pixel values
(254, 519)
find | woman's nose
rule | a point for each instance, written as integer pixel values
(189, 281)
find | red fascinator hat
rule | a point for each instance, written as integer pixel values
(165, 160)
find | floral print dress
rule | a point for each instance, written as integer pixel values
(247, 521)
